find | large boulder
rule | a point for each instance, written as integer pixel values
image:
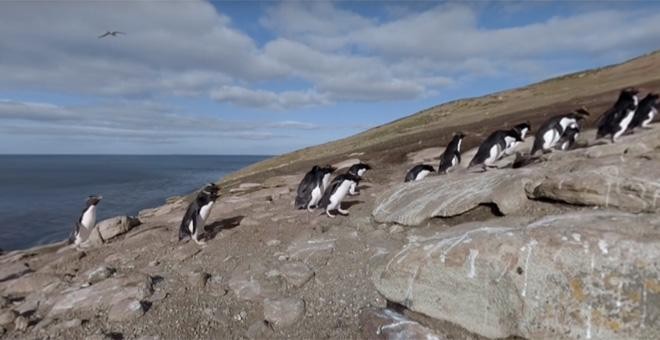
(453, 194)
(116, 226)
(628, 184)
(583, 275)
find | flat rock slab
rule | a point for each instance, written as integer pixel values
(13, 271)
(412, 203)
(103, 295)
(583, 275)
(304, 248)
(126, 310)
(248, 282)
(346, 163)
(29, 283)
(296, 273)
(387, 324)
(284, 312)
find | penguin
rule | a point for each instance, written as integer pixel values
(646, 111)
(305, 188)
(310, 189)
(451, 157)
(492, 148)
(567, 141)
(336, 192)
(358, 170)
(553, 129)
(86, 222)
(615, 121)
(418, 172)
(198, 211)
(522, 129)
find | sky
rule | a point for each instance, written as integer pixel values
(196, 77)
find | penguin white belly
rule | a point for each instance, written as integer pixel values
(454, 162)
(420, 176)
(326, 180)
(352, 189)
(494, 154)
(316, 196)
(510, 148)
(205, 211)
(191, 225)
(564, 146)
(339, 194)
(89, 217)
(623, 124)
(651, 115)
(550, 138)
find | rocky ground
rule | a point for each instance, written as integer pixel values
(564, 248)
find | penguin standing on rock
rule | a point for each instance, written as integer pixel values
(197, 213)
(615, 121)
(552, 130)
(86, 221)
(336, 192)
(451, 158)
(312, 186)
(357, 170)
(522, 129)
(492, 149)
(646, 111)
(419, 172)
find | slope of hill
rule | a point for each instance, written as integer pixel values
(593, 89)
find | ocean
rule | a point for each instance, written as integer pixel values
(42, 196)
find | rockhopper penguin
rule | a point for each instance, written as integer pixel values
(198, 211)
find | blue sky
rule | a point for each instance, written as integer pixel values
(270, 77)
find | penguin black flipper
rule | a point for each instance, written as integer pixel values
(304, 192)
(413, 174)
(453, 150)
(190, 216)
(540, 137)
(483, 152)
(325, 199)
(645, 112)
(74, 233)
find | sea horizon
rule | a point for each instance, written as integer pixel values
(41, 196)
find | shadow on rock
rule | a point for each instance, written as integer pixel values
(216, 227)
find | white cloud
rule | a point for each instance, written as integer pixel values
(268, 99)
(138, 120)
(192, 49)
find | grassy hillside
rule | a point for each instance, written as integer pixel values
(594, 89)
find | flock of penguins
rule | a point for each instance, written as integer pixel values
(316, 191)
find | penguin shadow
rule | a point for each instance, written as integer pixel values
(363, 186)
(350, 204)
(216, 227)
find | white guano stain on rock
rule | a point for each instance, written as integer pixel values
(472, 258)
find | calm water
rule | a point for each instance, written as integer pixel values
(42, 196)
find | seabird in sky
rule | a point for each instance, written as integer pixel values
(112, 33)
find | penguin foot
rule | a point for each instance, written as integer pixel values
(327, 212)
(199, 242)
(343, 212)
(310, 209)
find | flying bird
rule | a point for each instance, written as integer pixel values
(112, 33)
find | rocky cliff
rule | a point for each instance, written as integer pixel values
(565, 248)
